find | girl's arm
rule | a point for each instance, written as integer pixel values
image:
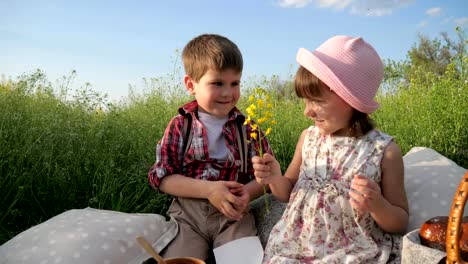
(268, 171)
(386, 203)
(393, 215)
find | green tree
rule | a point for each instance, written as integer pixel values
(430, 56)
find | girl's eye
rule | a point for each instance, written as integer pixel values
(235, 84)
(314, 100)
(218, 83)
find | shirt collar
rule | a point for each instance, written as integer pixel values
(192, 108)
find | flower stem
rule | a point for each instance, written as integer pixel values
(265, 196)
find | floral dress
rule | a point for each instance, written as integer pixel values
(319, 225)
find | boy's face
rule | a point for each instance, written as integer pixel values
(217, 92)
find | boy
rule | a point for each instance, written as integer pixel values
(211, 194)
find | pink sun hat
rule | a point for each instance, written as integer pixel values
(350, 67)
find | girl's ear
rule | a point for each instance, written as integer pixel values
(189, 84)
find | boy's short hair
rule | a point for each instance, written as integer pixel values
(210, 51)
(307, 85)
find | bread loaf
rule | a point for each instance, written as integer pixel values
(434, 231)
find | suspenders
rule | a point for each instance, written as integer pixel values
(240, 137)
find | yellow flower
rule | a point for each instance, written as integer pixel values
(260, 103)
(259, 110)
(262, 120)
(247, 121)
(253, 135)
(251, 110)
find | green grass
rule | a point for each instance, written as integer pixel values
(58, 153)
(431, 112)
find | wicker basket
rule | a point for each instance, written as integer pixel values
(454, 223)
(414, 252)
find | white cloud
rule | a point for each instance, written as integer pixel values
(378, 7)
(356, 7)
(446, 20)
(336, 4)
(463, 21)
(422, 24)
(435, 11)
(294, 3)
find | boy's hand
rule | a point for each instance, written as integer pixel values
(267, 168)
(223, 199)
(365, 193)
(244, 196)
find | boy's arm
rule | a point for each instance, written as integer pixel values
(254, 189)
(168, 149)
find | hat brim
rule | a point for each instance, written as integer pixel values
(317, 63)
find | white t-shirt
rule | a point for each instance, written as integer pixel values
(214, 129)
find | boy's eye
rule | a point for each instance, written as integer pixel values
(218, 83)
(235, 84)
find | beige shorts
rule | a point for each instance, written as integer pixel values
(202, 227)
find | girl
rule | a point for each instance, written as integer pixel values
(345, 185)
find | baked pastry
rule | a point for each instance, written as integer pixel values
(434, 231)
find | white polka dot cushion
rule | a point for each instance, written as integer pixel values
(89, 236)
(430, 181)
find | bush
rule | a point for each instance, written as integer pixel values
(430, 112)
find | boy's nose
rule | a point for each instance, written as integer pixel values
(226, 91)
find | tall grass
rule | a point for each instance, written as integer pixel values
(57, 154)
(431, 111)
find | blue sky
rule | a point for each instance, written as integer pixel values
(112, 44)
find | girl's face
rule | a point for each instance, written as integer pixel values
(330, 113)
(217, 92)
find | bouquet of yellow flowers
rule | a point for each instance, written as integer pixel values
(260, 109)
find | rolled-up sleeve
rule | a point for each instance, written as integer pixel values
(169, 152)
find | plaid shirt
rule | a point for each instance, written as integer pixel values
(196, 163)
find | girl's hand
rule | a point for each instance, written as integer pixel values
(365, 193)
(267, 169)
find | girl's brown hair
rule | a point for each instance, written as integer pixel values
(307, 85)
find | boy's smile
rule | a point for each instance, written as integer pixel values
(217, 92)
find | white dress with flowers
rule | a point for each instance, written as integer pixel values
(319, 225)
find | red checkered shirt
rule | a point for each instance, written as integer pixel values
(197, 163)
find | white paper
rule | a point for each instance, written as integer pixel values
(246, 250)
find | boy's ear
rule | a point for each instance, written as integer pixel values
(188, 81)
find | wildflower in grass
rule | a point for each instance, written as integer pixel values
(260, 109)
